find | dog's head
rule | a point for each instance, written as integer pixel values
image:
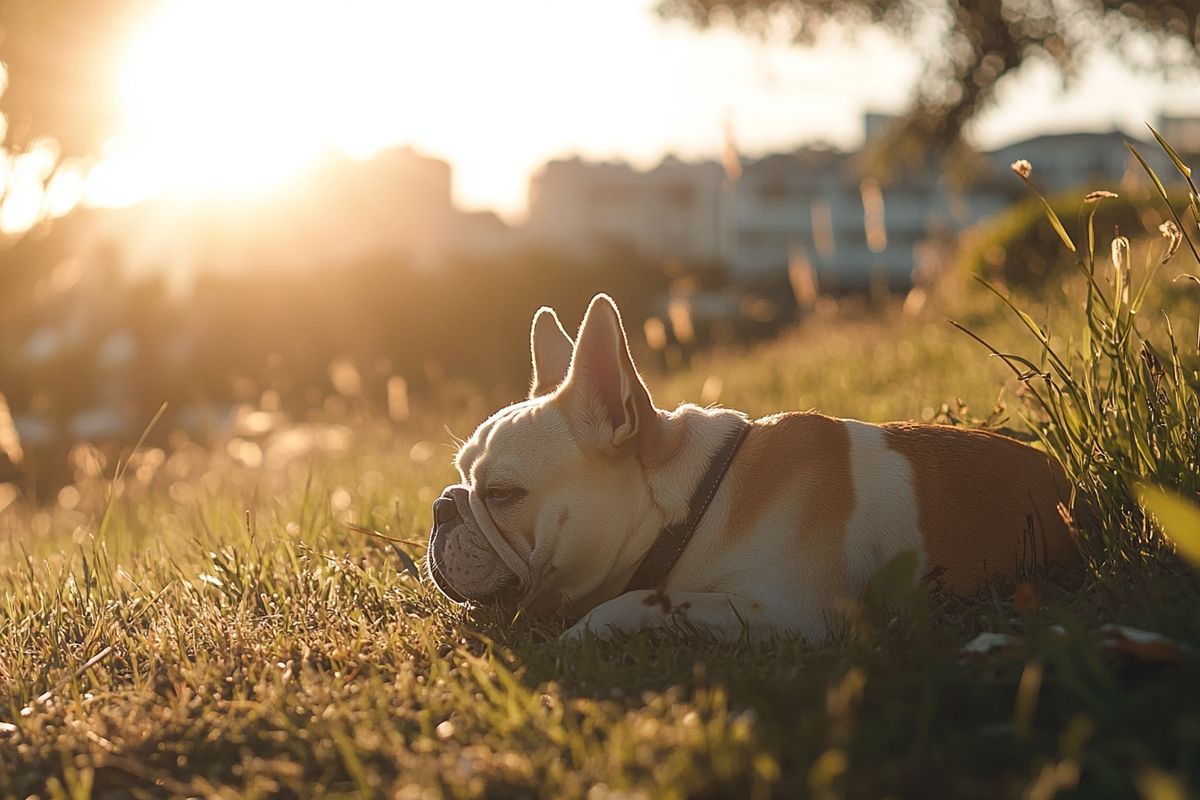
(553, 487)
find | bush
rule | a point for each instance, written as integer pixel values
(123, 345)
(1018, 249)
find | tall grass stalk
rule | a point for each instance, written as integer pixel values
(1119, 409)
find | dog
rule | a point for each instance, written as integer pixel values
(587, 500)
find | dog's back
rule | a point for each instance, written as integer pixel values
(987, 505)
(975, 505)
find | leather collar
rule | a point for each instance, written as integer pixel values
(673, 539)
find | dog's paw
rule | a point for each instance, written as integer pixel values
(576, 633)
(590, 627)
(572, 635)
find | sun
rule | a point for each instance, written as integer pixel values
(232, 98)
(228, 97)
(225, 110)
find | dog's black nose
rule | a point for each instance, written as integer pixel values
(444, 510)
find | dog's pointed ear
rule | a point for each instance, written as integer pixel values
(603, 390)
(550, 351)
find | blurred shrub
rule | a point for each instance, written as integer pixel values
(465, 321)
(91, 356)
(1018, 248)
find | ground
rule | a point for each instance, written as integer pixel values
(203, 622)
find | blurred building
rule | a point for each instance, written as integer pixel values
(1182, 133)
(397, 205)
(814, 206)
(482, 236)
(811, 204)
(673, 211)
(1064, 162)
(755, 217)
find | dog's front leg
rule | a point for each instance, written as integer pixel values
(725, 616)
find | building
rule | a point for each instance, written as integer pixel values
(397, 205)
(1182, 133)
(673, 211)
(815, 205)
(1064, 162)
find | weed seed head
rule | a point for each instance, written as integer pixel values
(1174, 237)
(1120, 253)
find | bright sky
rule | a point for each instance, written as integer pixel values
(498, 88)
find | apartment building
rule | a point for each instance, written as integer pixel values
(815, 205)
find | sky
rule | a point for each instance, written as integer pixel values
(499, 88)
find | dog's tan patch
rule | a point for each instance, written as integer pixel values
(799, 462)
(987, 505)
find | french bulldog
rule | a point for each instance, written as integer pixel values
(587, 500)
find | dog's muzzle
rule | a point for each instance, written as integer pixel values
(468, 557)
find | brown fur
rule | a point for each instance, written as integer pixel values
(800, 462)
(979, 494)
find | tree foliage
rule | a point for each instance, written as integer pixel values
(969, 47)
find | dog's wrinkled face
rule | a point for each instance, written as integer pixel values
(551, 486)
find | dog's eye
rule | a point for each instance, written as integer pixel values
(502, 494)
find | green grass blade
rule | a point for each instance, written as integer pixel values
(1162, 191)
(1179, 519)
(1184, 169)
(1055, 221)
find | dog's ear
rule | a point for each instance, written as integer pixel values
(605, 396)
(550, 350)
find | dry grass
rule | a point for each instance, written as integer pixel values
(210, 625)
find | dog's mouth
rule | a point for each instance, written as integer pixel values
(462, 560)
(434, 558)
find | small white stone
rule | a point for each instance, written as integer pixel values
(988, 642)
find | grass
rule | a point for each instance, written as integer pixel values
(223, 633)
(1119, 407)
(208, 622)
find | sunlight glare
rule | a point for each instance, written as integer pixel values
(223, 96)
(27, 174)
(227, 97)
(237, 97)
(64, 189)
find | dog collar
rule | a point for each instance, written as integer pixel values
(671, 541)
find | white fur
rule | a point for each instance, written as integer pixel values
(592, 509)
(884, 523)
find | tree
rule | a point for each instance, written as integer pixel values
(981, 42)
